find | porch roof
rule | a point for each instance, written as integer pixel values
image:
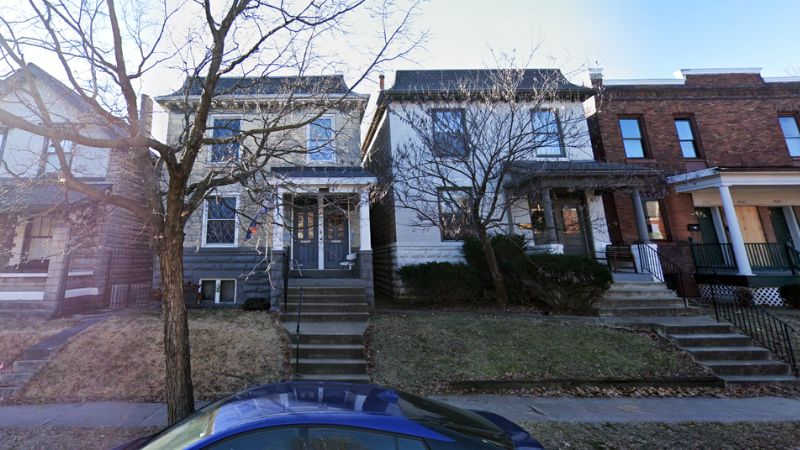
(326, 175)
(585, 175)
(42, 196)
(715, 177)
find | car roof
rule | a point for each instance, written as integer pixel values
(322, 403)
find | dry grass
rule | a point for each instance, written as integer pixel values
(18, 334)
(123, 358)
(58, 438)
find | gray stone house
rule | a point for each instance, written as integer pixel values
(60, 252)
(305, 214)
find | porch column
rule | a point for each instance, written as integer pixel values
(719, 226)
(794, 227)
(278, 222)
(737, 240)
(549, 219)
(363, 221)
(638, 213)
(276, 267)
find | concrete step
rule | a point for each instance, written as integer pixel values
(329, 306)
(26, 313)
(328, 366)
(327, 316)
(346, 351)
(641, 285)
(327, 290)
(13, 379)
(637, 302)
(712, 340)
(711, 328)
(29, 365)
(736, 353)
(746, 380)
(36, 354)
(342, 378)
(328, 339)
(646, 311)
(327, 273)
(328, 298)
(632, 292)
(8, 392)
(27, 305)
(763, 367)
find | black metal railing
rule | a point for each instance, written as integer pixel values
(662, 268)
(297, 335)
(713, 256)
(285, 281)
(765, 328)
(767, 256)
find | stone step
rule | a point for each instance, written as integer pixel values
(327, 316)
(763, 367)
(317, 274)
(743, 353)
(332, 339)
(328, 307)
(647, 311)
(316, 366)
(26, 313)
(346, 351)
(711, 328)
(8, 392)
(712, 340)
(29, 365)
(632, 285)
(326, 290)
(13, 379)
(328, 299)
(746, 380)
(26, 305)
(342, 378)
(634, 292)
(636, 302)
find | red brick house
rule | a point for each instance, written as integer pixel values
(729, 141)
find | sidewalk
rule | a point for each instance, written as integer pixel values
(517, 409)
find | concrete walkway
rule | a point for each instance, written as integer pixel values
(518, 409)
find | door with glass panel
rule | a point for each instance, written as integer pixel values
(304, 224)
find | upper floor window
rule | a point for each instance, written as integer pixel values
(321, 140)
(791, 132)
(547, 131)
(449, 133)
(225, 128)
(3, 135)
(632, 137)
(220, 221)
(686, 137)
(51, 161)
(454, 214)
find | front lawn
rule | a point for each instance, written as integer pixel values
(66, 438)
(423, 351)
(18, 334)
(123, 358)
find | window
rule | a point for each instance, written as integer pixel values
(3, 136)
(449, 135)
(321, 140)
(220, 218)
(40, 231)
(686, 137)
(791, 132)
(224, 128)
(51, 162)
(454, 214)
(218, 290)
(656, 224)
(632, 137)
(547, 132)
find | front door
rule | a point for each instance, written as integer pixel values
(750, 224)
(305, 245)
(336, 236)
(570, 223)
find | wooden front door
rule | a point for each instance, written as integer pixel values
(336, 236)
(305, 246)
(750, 224)
(570, 224)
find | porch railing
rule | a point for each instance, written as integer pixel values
(713, 256)
(771, 256)
(665, 270)
(765, 328)
(763, 257)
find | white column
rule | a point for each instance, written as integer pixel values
(278, 221)
(363, 221)
(794, 227)
(719, 226)
(737, 240)
(320, 231)
(638, 213)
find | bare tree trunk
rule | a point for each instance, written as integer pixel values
(494, 269)
(178, 384)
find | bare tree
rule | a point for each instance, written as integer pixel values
(104, 49)
(467, 138)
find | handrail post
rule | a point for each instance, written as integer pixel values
(789, 248)
(297, 336)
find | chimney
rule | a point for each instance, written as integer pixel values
(380, 81)
(596, 76)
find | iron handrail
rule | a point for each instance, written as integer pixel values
(285, 282)
(297, 335)
(762, 326)
(647, 259)
(794, 257)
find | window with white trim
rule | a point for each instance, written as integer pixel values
(455, 220)
(218, 290)
(225, 127)
(321, 139)
(791, 132)
(547, 133)
(449, 133)
(219, 228)
(51, 162)
(3, 136)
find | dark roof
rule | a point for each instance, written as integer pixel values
(585, 174)
(323, 171)
(454, 81)
(42, 196)
(323, 84)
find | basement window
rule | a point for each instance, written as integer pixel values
(218, 290)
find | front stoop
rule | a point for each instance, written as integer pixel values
(642, 299)
(730, 355)
(333, 319)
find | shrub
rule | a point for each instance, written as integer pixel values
(567, 284)
(791, 295)
(256, 304)
(442, 283)
(743, 296)
(510, 254)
